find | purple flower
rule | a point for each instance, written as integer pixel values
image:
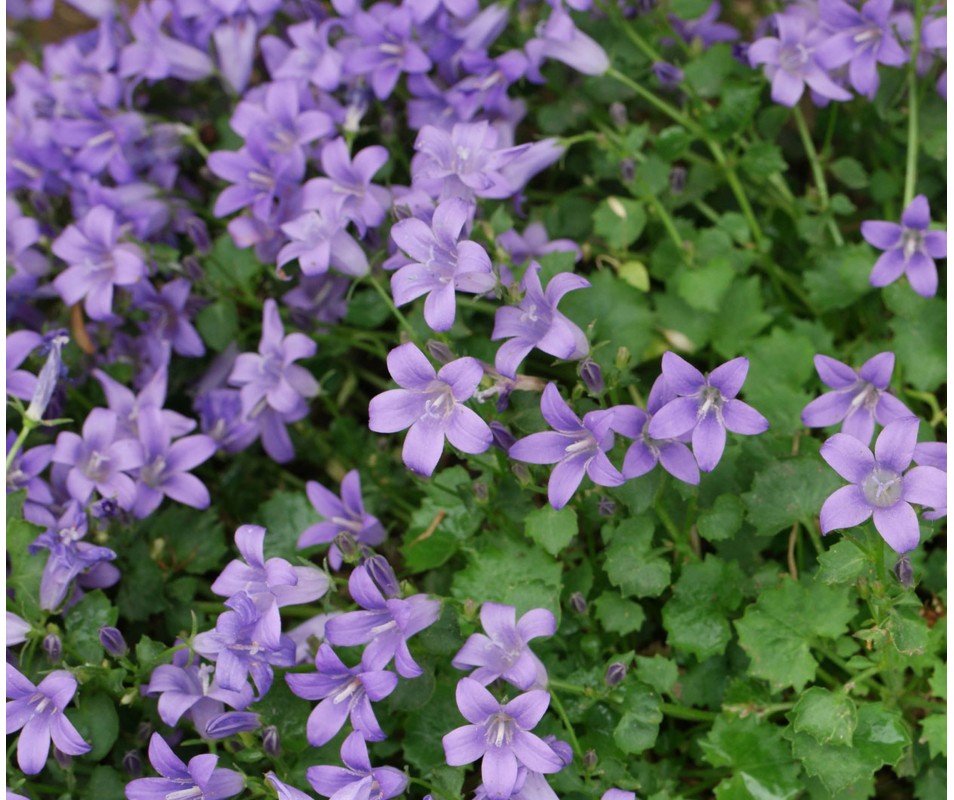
(70, 558)
(932, 454)
(534, 243)
(344, 514)
(384, 625)
(560, 39)
(441, 265)
(128, 406)
(229, 723)
(220, 411)
(20, 344)
(200, 779)
(98, 460)
(25, 469)
(285, 792)
(97, 262)
(618, 794)
(862, 37)
(357, 780)
(261, 178)
(500, 734)
(343, 692)
(910, 248)
(319, 241)
(169, 315)
(878, 486)
(536, 323)
(17, 629)
(156, 55)
(386, 48)
(791, 61)
(38, 710)
(645, 451)
(860, 398)
(464, 163)
(576, 447)
(505, 652)
(166, 465)
(934, 37)
(271, 584)
(669, 75)
(245, 642)
(349, 183)
(705, 28)
(432, 406)
(706, 406)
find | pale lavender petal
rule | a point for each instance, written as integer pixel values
(894, 448)
(888, 268)
(729, 377)
(877, 369)
(926, 486)
(883, 235)
(849, 457)
(845, 508)
(708, 442)
(677, 417)
(740, 417)
(681, 376)
(898, 526)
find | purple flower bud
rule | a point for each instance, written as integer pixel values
(503, 438)
(64, 761)
(615, 673)
(606, 507)
(904, 572)
(740, 52)
(669, 75)
(197, 231)
(439, 351)
(49, 374)
(578, 603)
(228, 723)
(348, 546)
(592, 375)
(112, 641)
(590, 760)
(132, 763)
(144, 732)
(677, 179)
(105, 509)
(381, 573)
(481, 492)
(627, 170)
(271, 741)
(193, 269)
(53, 648)
(617, 112)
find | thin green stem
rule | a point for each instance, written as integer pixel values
(687, 713)
(21, 438)
(911, 165)
(568, 687)
(429, 786)
(818, 172)
(395, 311)
(561, 713)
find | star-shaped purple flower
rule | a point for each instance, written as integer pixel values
(38, 710)
(504, 653)
(343, 692)
(861, 396)
(319, 241)
(440, 265)
(341, 514)
(910, 248)
(577, 447)
(499, 733)
(200, 779)
(706, 406)
(357, 780)
(432, 406)
(879, 486)
(536, 323)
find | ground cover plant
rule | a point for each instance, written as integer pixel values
(454, 399)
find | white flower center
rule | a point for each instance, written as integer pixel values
(882, 487)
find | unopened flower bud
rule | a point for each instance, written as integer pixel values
(606, 507)
(196, 230)
(615, 673)
(439, 351)
(65, 761)
(503, 438)
(740, 52)
(49, 375)
(381, 573)
(481, 492)
(669, 75)
(112, 641)
(617, 112)
(132, 763)
(348, 545)
(53, 648)
(904, 572)
(228, 723)
(578, 603)
(144, 732)
(522, 473)
(627, 170)
(192, 268)
(271, 741)
(590, 760)
(677, 179)
(105, 508)
(592, 375)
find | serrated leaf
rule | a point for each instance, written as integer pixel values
(83, 622)
(218, 324)
(96, 720)
(762, 159)
(705, 288)
(787, 492)
(619, 221)
(732, 333)
(843, 562)
(723, 520)
(780, 366)
(826, 716)
(284, 516)
(638, 728)
(909, 632)
(778, 630)
(695, 616)
(840, 277)
(630, 564)
(104, 783)
(195, 539)
(919, 337)
(617, 615)
(26, 571)
(658, 672)
(850, 172)
(934, 734)
(551, 529)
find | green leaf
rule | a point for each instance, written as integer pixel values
(880, 738)
(919, 336)
(706, 73)
(780, 366)
(689, 9)
(229, 267)
(83, 622)
(635, 274)
(761, 763)
(736, 109)
(617, 615)
(843, 562)
(551, 529)
(909, 631)
(195, 539)
(825, 716)
(723, 520)
(425, 728)
(704, 288)
(141, 590)
(732, 333)
(619, 221)
(285, 515)
(695, 616)
(934, 734)
(513, 574)
(658, 672)
(26, 571)
(778, 630)
(840, 278)
(218, 324)
(638, 728)
(96, 720)
(850, 172)
(938, 681)
(630, 563)
(104, 783)
(787, 492)
(762, 159)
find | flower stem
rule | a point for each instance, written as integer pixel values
(561, 712)
(818, 171)
(684, 712)
(911, 165)
(28, 426)
(395, 311)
